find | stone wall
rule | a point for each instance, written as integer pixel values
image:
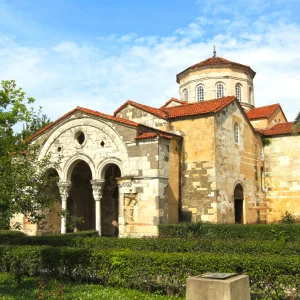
(238, 163)
(198, 173)
(282, 176)
(137, 115)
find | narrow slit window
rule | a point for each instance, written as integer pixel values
(236, 133)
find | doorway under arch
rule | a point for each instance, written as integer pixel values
(80, 203)
(238, 204)
(110, 201)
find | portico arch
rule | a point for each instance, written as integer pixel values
(105, 163)
(80, 203)
(71, 163)
(72, 124)
(110, 200)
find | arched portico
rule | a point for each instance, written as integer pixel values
(110, 200)
(80, 202)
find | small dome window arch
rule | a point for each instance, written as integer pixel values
(238, 91)
(236, 133)
(200, 93)
(220, 90)
(185, 95)
(250, 95)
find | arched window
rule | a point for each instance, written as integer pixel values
(220, 90)
(236, 133)
(185, 95)
(200, 93)
(238, 91)
(250, 95)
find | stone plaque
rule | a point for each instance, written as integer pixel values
(218, 275)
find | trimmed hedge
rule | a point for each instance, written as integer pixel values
(7, 235)
(16, 237)
(165, 245)
(165, 272)
(231, 231)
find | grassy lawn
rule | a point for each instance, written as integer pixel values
(34, 288)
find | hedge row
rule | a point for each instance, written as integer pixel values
(9, 236)
(149, 270)
(165, 245)
(231, 231)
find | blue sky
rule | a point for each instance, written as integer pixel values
(98, 54)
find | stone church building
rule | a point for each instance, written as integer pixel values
(202, 157)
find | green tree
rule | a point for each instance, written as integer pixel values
(23, 178)
(296, 124)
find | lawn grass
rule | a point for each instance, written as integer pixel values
(52, 289)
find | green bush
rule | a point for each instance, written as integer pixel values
(8, 235)
(276, 246)
(230, 231)
(151, 271)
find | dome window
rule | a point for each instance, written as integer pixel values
(185, 95)
(200, 93)
(220, 90)
(250, 95)
(238, 91)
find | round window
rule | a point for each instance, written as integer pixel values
(79, 137)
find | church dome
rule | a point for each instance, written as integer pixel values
(215, 61)
(217, 77)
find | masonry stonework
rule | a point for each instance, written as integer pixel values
(209, 161)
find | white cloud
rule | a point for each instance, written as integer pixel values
(103, 74)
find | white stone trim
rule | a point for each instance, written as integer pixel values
(101, 168)
(71, 163)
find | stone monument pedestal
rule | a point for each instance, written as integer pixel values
(218, 286)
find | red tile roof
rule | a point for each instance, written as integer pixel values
(217, 61)
(150, 135)
(262, 112)
(278, 129)
(198, 108)
(84, 110)
(149, 109)
(173, 100)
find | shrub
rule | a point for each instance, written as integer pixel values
(7, 235)
(288, 218)
(231, 231)
(165, 272)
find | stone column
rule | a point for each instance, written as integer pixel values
(97, 186)
(64, 189)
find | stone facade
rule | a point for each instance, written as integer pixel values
(282, 181)
(125, 174)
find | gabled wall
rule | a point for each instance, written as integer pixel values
(266, 123)
(238, 164)
(137, 115)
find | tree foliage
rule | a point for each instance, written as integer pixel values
(296, 124)
(24, 180)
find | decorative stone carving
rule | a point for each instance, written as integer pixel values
(125, 184)
(97, 186)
